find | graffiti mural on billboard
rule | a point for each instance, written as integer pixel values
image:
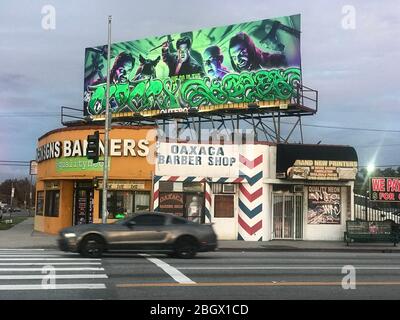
(198, 70)
(323, 205)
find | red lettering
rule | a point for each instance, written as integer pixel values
(386, 196)
(378, 185)
(393, 185)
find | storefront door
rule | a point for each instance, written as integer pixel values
(287, 216)
(194, 204)
(83, 204)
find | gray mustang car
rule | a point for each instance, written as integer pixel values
(142, 232)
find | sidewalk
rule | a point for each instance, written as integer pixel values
(23, 236)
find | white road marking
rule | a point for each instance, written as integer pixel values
(287, 268)
(56, 269)
(170, 270)
(24, 287)
(48, 259)
(29, 255)
(22, 249)
(57, 276)
(46, 263)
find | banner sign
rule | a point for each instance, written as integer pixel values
(202, 71)
(323, 205)
(323, 170)
(183, 159)
(385, 189)
(79, 164)
(316, 162)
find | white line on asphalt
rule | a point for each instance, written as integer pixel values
(287, 268)
(173, 272)
(45, 263)
(30, 255)
(57, 276)
(56, 269)
(48, 259)
(56, 287)
(22, 249)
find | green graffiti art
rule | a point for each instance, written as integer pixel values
(245, 63)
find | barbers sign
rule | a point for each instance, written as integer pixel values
(202, 160)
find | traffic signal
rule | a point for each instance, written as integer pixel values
(92, 151)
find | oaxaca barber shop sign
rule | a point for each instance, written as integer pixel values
(206, 70)
(384, 189)
(199, 160)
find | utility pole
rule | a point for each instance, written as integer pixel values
(106, 128)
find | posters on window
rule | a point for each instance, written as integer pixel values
(323, 205)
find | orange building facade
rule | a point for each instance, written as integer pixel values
(69, 186)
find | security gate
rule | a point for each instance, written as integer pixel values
(287, 216)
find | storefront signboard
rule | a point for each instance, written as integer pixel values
(79, 164)
(323, 205)
(202, 160)
(316, 162)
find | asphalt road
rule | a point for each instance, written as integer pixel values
(210, 276)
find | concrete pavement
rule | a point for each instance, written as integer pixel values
(23, 236)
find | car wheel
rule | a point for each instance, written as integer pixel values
(185, 248)
(92, 247)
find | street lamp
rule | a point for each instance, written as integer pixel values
(370, 168)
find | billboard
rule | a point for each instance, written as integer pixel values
(384, 189)
(220, 68)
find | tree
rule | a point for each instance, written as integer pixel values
(21, 194)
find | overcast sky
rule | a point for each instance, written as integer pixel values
(355, 70)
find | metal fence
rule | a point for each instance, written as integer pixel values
(367, 210)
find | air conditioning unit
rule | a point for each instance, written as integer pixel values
(228, 188)
(298, 189)
(281, 175)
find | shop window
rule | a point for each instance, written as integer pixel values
(193, 187)
(142, 201)
(224, 206)
(39, 203)
(171, 203)
(122, 203)
(52, 205)
(167, 186)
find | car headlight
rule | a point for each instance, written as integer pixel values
(70, 235)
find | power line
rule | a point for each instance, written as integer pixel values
(342, 128)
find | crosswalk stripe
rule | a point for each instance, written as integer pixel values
(57, 276)
(56, 269)
(31, 263)
(29, 255)
(46, 263)
(89, 286)
(2, 249)
(48, 259)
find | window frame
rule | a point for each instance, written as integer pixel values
(42, 193)
(51, 205)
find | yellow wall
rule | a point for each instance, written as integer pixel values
(122, 168)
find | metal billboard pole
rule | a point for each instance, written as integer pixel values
(106, 128)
